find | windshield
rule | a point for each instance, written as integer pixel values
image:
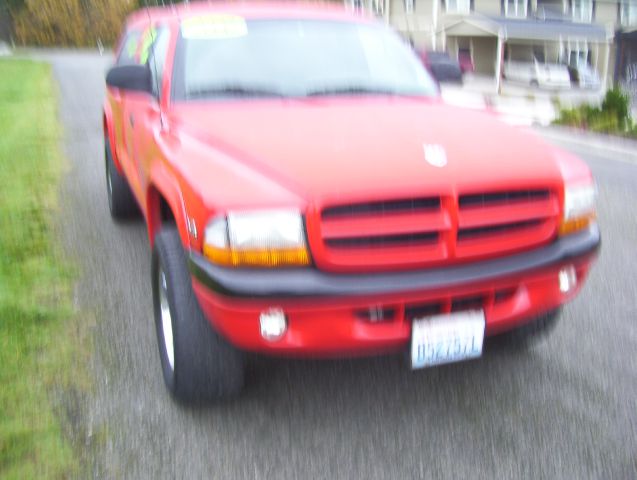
(287, 58)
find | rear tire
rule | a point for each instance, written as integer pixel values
(202, 366)
(121, 202)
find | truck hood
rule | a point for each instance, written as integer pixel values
(337, 149)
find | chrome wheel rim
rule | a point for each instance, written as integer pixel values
(166, 320)
(109, 181)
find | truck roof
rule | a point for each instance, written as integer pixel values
(179, 12)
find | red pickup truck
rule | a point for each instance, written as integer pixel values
(308, 193)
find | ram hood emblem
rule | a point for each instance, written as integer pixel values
(435, 155)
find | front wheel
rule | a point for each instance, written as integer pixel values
(197, 363)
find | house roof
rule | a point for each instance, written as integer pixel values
(525, 29)
(535, 29)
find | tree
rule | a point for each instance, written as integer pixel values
(69, 22)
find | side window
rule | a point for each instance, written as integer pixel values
(157, 59)
(128, 53)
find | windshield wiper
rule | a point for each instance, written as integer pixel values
(232, 90)
(350, 90)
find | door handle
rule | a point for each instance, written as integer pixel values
(131, 120)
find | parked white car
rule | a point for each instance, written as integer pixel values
(545, 75)
(585, 76)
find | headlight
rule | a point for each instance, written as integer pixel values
(266, 238)
(579, 207)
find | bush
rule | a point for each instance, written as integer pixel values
(617, 103)
(612, 117)
(70, 23)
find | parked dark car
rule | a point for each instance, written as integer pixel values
(441, 66)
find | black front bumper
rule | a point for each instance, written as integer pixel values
(310, 282)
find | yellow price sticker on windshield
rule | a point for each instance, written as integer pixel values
(147, 41)
(214, 26)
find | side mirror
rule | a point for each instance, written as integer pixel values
(135, 78)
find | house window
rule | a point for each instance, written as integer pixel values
(409, 6)
(515, 8)
(582, 10)
(579, 57)
(378, 7)
(458, 6)
(628, 13)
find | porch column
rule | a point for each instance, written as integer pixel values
(435, 27)
(498, 64)
(606, 62)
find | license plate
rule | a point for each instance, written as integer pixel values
(447, 338)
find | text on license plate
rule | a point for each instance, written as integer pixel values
(447, 338)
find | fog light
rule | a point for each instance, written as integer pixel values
(273, 324)
(568, 279)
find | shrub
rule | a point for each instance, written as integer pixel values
(617, 103)
(69, 22)
(612, 117)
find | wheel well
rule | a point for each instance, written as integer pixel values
(165, 211)
(159, 213)
(110, 142)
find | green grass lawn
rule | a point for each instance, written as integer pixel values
(36, 343)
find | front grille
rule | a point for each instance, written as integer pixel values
(467, 233)
(505, 221)
(406, 240)
(483, 301)
(429, 230)
(383, 208)
(468, 303)
(399, 231)
(485, 199)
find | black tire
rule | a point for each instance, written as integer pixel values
(531, 332)
(121, 201)
(205, 366)
(535, 83)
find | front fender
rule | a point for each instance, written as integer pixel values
(164, 185)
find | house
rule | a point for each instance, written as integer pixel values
(626, 47)
(492, 31)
